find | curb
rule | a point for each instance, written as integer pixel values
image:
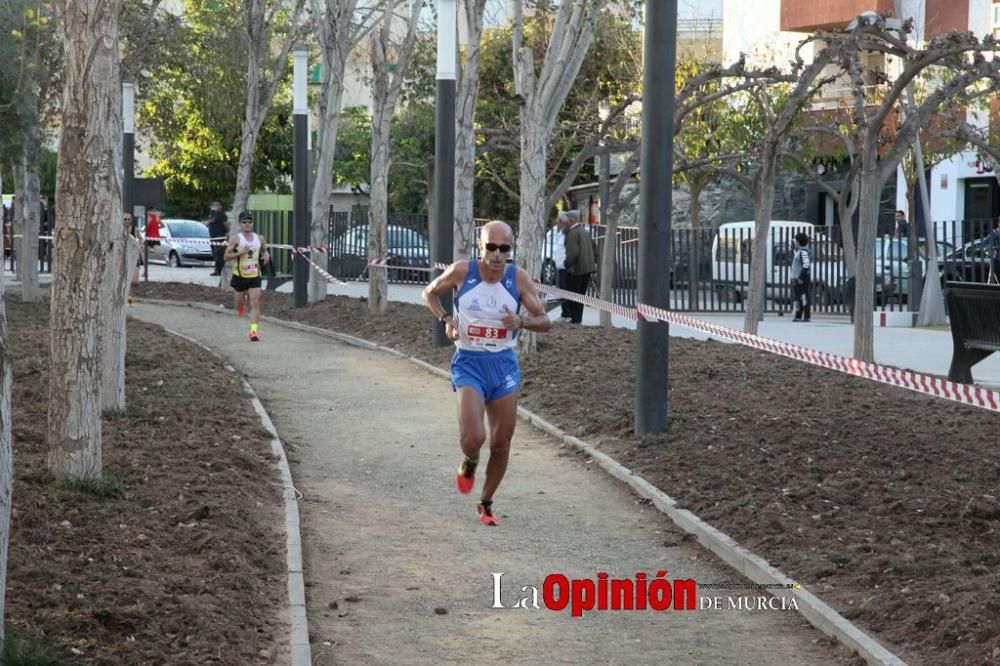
(754, 567)
(300, 649)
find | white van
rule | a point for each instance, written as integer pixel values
(731, 253)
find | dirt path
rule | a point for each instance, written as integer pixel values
(389, 543)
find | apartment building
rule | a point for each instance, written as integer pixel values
(768, 31)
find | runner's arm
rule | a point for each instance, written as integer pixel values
(451, 279)
(231, 252)
(536, 319)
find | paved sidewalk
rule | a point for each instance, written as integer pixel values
(398, 569)
(926, 350)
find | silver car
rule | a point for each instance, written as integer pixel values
(182, 243)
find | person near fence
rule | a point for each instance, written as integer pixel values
(249, 251)
(802, 290)
(581, 261)
(559, 259)
(484, 371)
(902, 228)
(218, 229)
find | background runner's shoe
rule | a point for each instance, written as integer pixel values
(486, 516)
(254, 337)
(465, 478)
(239, 311)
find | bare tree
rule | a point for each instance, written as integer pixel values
(340, 26)
(88, 201)
(265, 71)
(386, 88)
(962, 77)
(465, 139)
(542, 94)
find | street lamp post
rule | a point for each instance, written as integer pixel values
(659, 57)
(443, 202)
(300, 177)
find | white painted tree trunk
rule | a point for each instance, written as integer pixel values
(124, 255)
(6, 452)
(465, 138)
(386, 88)
(542, 96)
(88, 201)
(335, 40)
(378, 214)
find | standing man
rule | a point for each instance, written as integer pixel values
(218, 229)
(250, 252)
(484, 371)
(902, 228)
(580, 261)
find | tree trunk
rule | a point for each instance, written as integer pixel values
(864, 291)
(847, 238)
(6, 453)
(465, 139)
(30, 290)
(378, 213)
(696, 186)
(533, 216)
(322, 202)
(88, 205)
(17, 225)
(335, 41)
(124, 254)
(763, 197)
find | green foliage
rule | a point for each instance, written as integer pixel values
(193, 104)
(107, 487)
(31, 649)
(412, 150)
(611, 70)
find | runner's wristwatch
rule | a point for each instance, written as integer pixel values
(442, 317)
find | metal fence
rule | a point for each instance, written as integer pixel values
(707, 270)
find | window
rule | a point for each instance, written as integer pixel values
(996, 19)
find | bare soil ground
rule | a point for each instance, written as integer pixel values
(183, 562)
(884, 503)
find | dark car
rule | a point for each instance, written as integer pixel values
(405, 247)
(969, 263)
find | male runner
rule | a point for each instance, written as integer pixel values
(250, 252)
(484, 370)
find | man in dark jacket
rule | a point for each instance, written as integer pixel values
(580, 261)
(218, 227)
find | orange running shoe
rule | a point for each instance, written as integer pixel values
(240, 310)
(254, 337)
(485, 511)
(465, 478)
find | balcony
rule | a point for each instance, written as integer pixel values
(811, 15)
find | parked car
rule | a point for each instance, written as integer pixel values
(405, 247)
(969, 263)
(731, 252)
(182, 243)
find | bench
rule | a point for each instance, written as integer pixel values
(974, 311)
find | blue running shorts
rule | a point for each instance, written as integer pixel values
(492, 374)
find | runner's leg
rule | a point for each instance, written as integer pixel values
(501, 415)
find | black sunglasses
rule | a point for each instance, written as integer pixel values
(493, 247)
